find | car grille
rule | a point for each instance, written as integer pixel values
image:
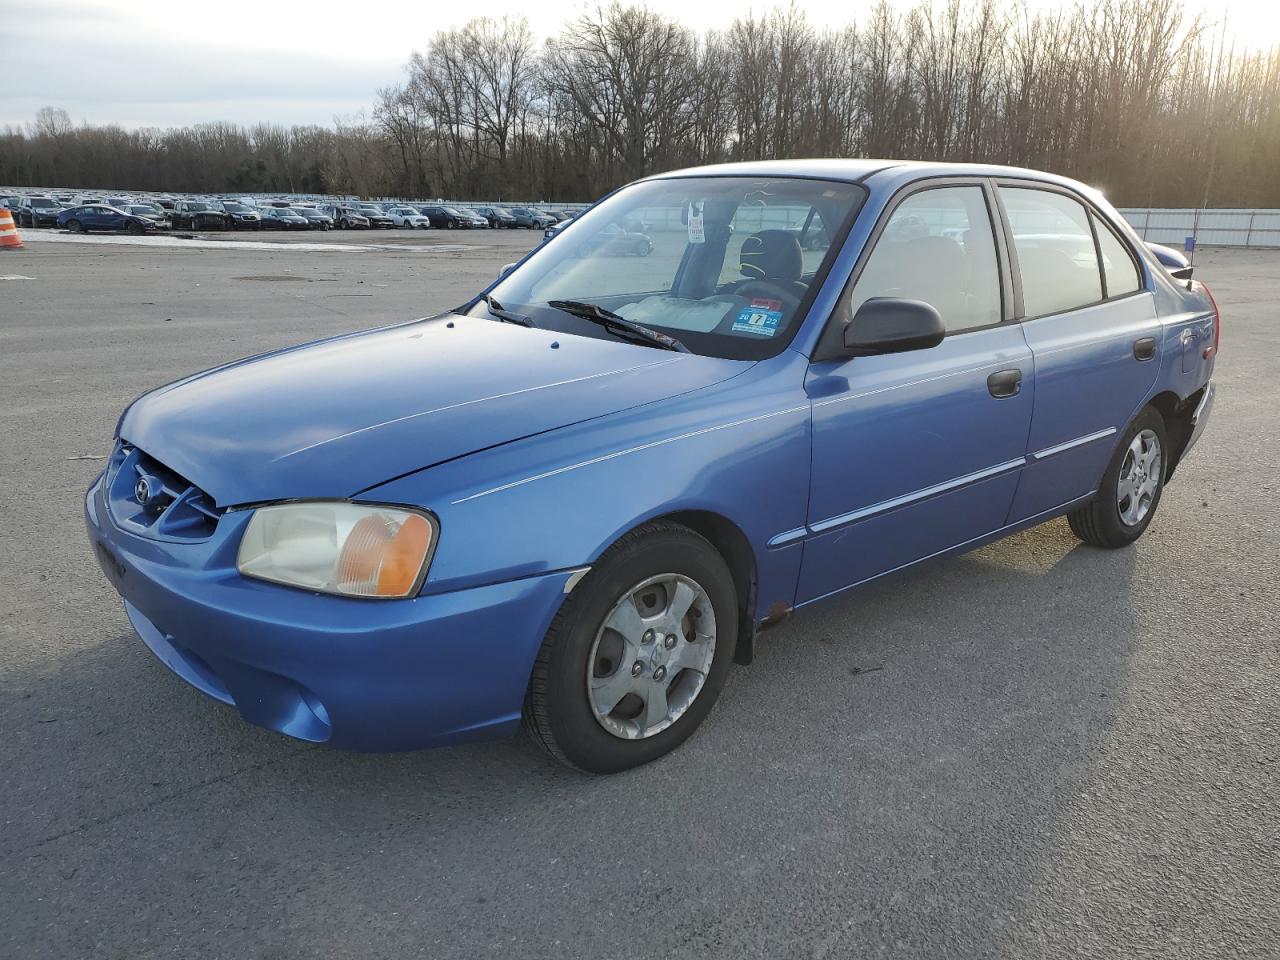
(174, 508)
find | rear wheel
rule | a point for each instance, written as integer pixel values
(1131, 487)
(637, 655)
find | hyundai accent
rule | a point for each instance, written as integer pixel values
(573, 501)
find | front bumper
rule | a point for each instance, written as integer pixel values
(358, 674)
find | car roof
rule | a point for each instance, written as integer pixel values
(888, 172)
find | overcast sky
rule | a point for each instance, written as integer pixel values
(176, 62)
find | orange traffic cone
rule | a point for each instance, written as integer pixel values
(8, 231)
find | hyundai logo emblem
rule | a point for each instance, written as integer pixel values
(142, 491)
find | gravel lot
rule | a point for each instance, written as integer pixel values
(1038, 749)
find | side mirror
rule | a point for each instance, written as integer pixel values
(891, 325)
(506, 268)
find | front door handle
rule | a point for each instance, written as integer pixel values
(1005, 383)
(1145, 348)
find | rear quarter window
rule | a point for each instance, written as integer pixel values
(1118, 267)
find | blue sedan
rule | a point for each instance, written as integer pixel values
(101, 217)
(573, 501)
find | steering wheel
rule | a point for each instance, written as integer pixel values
(783, 291)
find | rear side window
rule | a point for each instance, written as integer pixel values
(1118, 268)
(938, 247)
(1056, 255)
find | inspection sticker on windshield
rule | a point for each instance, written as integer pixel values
(757, 320)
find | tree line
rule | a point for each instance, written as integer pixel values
(1134, 96)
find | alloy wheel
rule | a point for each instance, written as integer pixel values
(1139, 480)
(651, 656)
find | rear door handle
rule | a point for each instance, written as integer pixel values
(1005, 383)
(1145, 348)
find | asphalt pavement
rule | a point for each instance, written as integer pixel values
(1035, 750)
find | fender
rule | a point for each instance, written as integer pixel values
(739, 450)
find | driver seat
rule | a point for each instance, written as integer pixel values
(771, 255)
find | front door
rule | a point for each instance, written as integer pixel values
(918, 452)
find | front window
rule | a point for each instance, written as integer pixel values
(43, 203)
(716, 262)
(937, 246)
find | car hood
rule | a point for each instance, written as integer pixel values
(334, 418)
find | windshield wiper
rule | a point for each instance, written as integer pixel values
(618, 324)
(505, 315)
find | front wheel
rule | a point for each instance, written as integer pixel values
(637, 655)
(75, 226)
(1130, 489)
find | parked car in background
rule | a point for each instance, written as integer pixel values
(811, 233)
(376, 216)
(558, 215)
(242, 216)
(154, 214)
(101, 217)
(315, 217)
(37, 211)
(530, 218)
(554, 229)
(199, 215)
(283, 218)
(497, 217)
(405, 216)
(345, 216)
(616, 240)
(451, 218)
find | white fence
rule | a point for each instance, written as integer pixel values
(1216, 228)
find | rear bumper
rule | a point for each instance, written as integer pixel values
(1200, 417)
(361, 675)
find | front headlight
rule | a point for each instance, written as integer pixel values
(349, 549)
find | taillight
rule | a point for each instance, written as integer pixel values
(1217, 324)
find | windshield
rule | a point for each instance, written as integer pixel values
(43, 202)
(235, 207)
(452, 211)
(716, 262)
(198, 206)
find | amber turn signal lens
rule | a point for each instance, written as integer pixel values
(382, 558)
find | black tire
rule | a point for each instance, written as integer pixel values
(644, 247)
(557, 712)
(135, 229)
(1098, 522)
(75, 226)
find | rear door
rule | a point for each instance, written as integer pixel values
(1093, 332)
(918, 452)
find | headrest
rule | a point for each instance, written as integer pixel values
(771, 255)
